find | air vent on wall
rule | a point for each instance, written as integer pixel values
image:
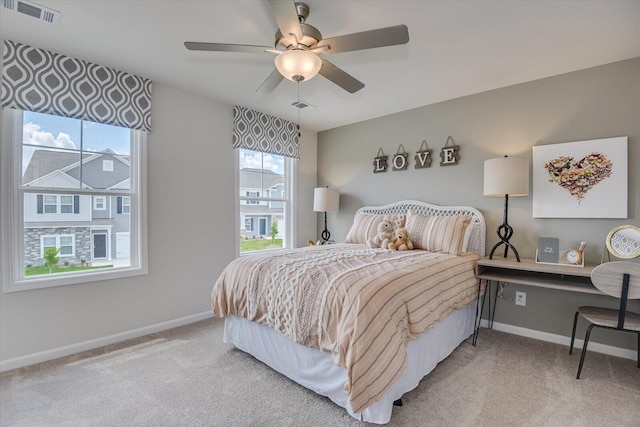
(32, 10)
(301, 104)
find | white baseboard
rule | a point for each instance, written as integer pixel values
(561, 339)
(43, 356)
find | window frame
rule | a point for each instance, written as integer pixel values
(12, 263)
(290, 181)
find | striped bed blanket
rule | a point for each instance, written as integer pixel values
(361, 305)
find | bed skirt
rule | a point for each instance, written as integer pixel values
(316, 371)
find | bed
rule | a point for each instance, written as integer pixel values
(359, 325)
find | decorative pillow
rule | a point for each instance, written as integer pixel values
(438, 233)
(365, 226)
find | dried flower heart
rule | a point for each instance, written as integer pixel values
(578, 177)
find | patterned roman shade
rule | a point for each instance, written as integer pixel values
(38, 80)
(257, 131)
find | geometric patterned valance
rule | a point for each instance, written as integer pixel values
(257, 131)
(38, 80)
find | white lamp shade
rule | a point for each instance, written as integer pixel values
(326, 199)
(506, 176)
(298, 65)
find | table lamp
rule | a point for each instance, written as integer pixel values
(325, 200)
(506, 176)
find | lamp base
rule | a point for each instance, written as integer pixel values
(505, 231)
(325, 233)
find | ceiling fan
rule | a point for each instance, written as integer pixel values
(298, 46)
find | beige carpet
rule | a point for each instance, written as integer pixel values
(188, 377)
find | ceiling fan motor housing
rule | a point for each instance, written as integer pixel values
(310, 36)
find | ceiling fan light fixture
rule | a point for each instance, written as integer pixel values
(298, 65)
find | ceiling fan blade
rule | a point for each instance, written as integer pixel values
(388, 36)
(287, 18)
(340, 77)
(225, 47)
(271, 82)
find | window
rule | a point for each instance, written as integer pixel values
(265, 187)
(107, 165)
(66, 204)
(53, 204)
(126, 205)
(99, 203)
(55, 171)
(254, 195)
(66, 244)
(50, 204)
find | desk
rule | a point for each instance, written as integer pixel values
(528, 272)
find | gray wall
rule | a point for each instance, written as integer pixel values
(595, 103)
(190, 204)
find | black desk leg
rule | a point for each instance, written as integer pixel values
(478, 318)
(495, 304)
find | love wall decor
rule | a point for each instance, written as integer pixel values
(584, 179)
(449, 155)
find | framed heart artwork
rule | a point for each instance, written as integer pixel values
(583, 179)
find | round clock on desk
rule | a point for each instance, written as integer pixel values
(573, 256)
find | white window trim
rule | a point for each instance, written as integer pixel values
(58, 245)
(95, 203)
(290, 169)
(12, 217)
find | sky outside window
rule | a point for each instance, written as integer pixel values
(61, 132)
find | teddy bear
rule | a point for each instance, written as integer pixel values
(385, 233)
(400, 241)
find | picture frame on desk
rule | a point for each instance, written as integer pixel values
(548, 250)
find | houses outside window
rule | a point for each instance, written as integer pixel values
(265, 198)
(62, 176)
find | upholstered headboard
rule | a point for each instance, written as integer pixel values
(476, 231)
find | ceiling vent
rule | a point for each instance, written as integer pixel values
(33, 10)
(301, 105)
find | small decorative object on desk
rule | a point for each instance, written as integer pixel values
(548, 250)
(575, 256)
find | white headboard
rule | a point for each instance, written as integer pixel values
(476, 230)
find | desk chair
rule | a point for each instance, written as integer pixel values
(620, 279)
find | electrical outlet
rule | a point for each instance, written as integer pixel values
(521, 298)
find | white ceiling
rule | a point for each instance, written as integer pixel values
(456, 48)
